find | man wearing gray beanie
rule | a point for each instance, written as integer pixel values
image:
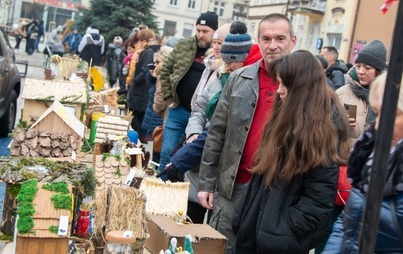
(179, 77)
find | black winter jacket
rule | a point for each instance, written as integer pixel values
(336, 72)
(138, 90)
(151, 119)
(114, 62)
(289, 218)
(346, 231)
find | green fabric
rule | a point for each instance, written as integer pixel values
(212, 104)
(353, 74)
(175, 67)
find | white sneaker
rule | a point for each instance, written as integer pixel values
(16, 51)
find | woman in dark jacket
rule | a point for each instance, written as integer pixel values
(151, 119)
(346, 231)
(138, 90)
(288, 203)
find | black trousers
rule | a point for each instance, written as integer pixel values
(18, 39)
(197, 212)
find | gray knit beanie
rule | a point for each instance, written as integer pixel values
(373, 54)
(237, 44)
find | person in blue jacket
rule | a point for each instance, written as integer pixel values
(347, 229)
(73, 39)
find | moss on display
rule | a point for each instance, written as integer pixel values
(25, 206)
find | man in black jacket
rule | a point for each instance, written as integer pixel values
(92, 46)
(336, 69)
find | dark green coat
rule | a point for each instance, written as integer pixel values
(175, 67)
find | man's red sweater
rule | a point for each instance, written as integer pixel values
(267, 94)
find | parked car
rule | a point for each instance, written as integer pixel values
(10, 85)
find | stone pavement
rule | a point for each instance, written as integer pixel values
(35, 61)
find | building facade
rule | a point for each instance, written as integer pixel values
(371, 24)
(178, 17)
(52, 12)
(345, 24)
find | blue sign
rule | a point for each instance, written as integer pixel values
(319, 43)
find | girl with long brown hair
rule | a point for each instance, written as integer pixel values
(288, 203)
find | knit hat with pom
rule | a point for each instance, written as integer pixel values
(237, 44)
(373, 54)
(118, 40)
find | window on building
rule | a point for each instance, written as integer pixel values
(334, 40)
(187, 30)
(191, 4)
(169, 28)
(219, 8)
(173, 2)
(252, 28)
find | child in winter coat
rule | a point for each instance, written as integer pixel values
(115, 60)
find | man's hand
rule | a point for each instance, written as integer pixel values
(206, 199)
(173, 174)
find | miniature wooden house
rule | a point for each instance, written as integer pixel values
(38, 94)
(112, 127)
(107, 98)
(44, 241)
(57, 133)
(110, 171)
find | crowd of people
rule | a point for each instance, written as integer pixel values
(264, 132)
(261, 131)
(32, 32)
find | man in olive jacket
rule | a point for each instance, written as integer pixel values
(237, 126)
(179, 77)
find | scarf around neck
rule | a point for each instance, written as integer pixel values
(362, 93)
(212, 104)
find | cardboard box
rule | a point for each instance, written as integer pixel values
(206, 240)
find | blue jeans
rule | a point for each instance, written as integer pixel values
(173, 130)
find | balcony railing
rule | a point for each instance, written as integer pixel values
(307, 7)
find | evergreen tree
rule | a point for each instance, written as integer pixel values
(117, 17)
